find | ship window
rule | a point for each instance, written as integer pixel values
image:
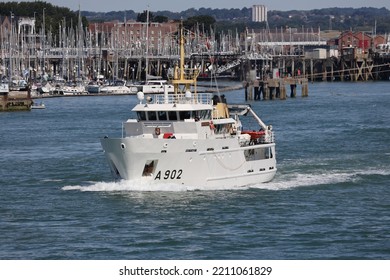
(162, 116)
(195, 115)
(223, 128)
(249, 155)
(152, 116)
(172, 115)
(185, 115)
(268, 153)
(201, 114)
(141, 116)
(205, 114)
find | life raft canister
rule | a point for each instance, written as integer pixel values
(254, 134)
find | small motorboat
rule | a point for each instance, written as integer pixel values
(38, 106)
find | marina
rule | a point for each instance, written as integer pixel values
(92, 59)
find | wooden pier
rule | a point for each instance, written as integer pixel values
(275, 88)
(15, 101)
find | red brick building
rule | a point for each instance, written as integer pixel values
(360, 40)
(134, 34)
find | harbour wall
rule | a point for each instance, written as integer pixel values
(15, 101)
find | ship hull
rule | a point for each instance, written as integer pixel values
(190, 162)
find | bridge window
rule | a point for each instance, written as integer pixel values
(223, 128)
(152, 116)
(162, 116)
(201, 114)
(205, 114)
(184, 115)
(141, 116)
(172, 115)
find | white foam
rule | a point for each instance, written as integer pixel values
(124, 185)
(288, 181)
(139, 185)
(303, 180)
(280, 182)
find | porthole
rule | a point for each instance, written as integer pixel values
(123, 146)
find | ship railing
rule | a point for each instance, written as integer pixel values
(269, 137)
(189, 73)
(186, 98)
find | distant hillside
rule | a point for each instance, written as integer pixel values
(243, 14)
(361, 19)
(330, 18)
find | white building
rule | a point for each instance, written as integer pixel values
(259, 13)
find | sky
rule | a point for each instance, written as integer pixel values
(181, 5)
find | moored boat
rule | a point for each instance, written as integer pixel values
(152, 87)
(191, 139)
(39, 105)
(93, 87)
(4, 88)
(118, 87)
(73, 90)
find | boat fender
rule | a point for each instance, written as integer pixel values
(157, 131)
(212, 126)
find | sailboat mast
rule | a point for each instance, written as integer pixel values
(182, 54)
(147, 45)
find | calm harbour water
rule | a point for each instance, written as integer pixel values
(330, 198)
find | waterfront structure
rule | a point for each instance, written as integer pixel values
(137, 35)
(259, 13)
(130, 50)
(14, 100)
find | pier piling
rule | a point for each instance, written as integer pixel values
(275, 88)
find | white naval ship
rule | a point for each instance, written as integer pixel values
(191, 139)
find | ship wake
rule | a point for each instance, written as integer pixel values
(280, 182)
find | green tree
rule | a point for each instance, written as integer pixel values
(160, 19)
(205, 20)
(54, 15)
(143, 17)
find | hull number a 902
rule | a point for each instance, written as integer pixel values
(169, 174)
